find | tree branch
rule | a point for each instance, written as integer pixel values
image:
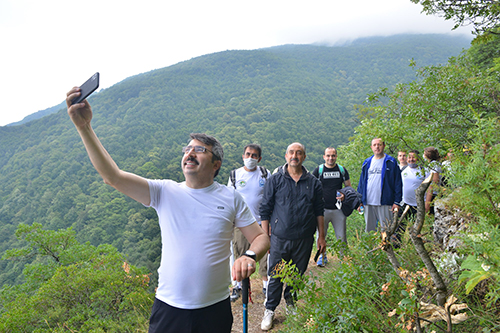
(416, 238)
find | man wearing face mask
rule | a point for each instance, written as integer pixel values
(249, 181)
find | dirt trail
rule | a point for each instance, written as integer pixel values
(256, 310)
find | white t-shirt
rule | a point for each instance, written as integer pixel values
(196, 230)
(250, 185)
(374, 184)
(436, 167)
(412, 178)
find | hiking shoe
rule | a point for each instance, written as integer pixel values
(267, 321)
(290, 307)
(322, 260)
(291, 310)
(235, 294)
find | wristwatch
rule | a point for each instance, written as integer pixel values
(250, 254)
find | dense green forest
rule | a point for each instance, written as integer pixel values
(272, 96)
(57, 218)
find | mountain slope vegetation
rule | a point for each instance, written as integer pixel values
(271, 96)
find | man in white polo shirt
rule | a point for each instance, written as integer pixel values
(412, 177)
(196, 218)
(249, 181)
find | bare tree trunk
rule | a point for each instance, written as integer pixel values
(392, 258)
(417, 241)
(418, 328)
(387, 234)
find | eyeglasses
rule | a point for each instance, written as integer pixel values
(197, 149)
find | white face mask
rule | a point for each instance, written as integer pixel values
(250, 163)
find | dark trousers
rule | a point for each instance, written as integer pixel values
(299, 251)
(214, 318)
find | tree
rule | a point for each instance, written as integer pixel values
(451, 107)
(73, 287)
(438, 109)
(482, 14)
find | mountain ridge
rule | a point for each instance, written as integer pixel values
(271, 96)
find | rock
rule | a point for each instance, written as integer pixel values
(448, 223)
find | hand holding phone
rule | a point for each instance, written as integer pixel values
(87, 88)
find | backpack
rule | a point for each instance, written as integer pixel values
(263, 174)
(352, 200)
(342, 171)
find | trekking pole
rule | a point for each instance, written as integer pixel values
(245, 285)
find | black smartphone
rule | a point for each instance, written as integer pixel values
(87, 88)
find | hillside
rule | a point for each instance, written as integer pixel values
(271, 96)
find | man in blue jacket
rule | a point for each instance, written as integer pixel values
(292, 209)
(380, 186)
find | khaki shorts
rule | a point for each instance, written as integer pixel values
(241, 245)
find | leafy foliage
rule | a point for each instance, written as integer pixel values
(455, 108)
(73, 287)
(482, 14)
(271, 96)
(348, 297)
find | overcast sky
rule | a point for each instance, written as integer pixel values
(49, 46)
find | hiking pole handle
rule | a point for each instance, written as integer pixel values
(244, 290)
(245, 284)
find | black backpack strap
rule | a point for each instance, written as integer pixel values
(263, 172)
(233, 177)
(278, 169)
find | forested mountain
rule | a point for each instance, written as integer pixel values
(271, 96)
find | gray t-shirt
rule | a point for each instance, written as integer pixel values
(374, 184)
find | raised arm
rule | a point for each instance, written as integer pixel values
(129, 184)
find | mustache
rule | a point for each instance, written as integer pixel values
(192, 159)
(294, 159)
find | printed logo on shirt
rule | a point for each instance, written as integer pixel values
(242, 183)
(418, 174)
(220, 207)
(329, 175)
(262, 182)
(374, 171)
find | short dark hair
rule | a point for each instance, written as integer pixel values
(432, 153)
(414, 151)
(217, 150)
(253, 146)
(332, 148)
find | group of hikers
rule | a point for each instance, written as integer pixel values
(212, 233)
